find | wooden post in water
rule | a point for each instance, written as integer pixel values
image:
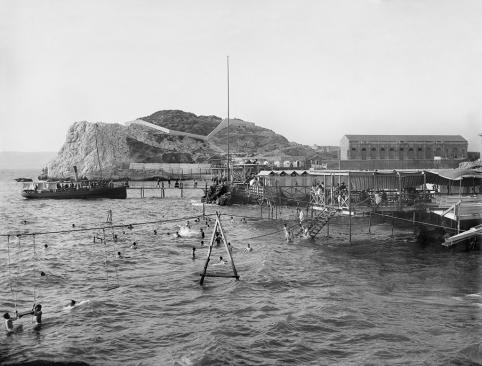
(393, 223)
(331, 187)
(457, 215)
(349, 202)
(328, 227)
(370, 223)
(399, 192)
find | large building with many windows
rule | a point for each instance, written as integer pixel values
(403, 151)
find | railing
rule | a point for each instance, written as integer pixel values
(368, 199)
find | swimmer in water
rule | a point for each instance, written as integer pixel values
(119, 255)
(218, 239)
(115, 238)
(37, 313)
(193, 253)
(287, 233)
(72, 303)
(177, 234)
(9, 321)
(46, 246)
(230, 248)
(188, 225)
(248, 248)
(134, 245)
(202, 233)
(155, 232)
(232, 220)
(202, 243)
(221, 260)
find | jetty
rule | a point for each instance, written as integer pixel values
(446, 198)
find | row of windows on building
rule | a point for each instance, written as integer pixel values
(408, 152)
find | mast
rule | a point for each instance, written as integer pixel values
(97, 148)
(227, 64)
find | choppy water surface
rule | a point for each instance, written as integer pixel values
(376, 301)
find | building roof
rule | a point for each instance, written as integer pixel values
(407, 138)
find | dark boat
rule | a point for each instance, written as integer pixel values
(23, 180)
(79, 189)
(83, 188)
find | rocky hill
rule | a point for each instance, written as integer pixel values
(121, 144)
(184, 121)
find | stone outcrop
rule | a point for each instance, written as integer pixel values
(119, 145)
(80, 149)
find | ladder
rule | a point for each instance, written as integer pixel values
(320, 220)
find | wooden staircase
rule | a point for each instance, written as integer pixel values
(320, 220)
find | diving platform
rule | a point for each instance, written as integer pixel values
(473, 232)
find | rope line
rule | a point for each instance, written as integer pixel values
(104, 227)
(414, 221)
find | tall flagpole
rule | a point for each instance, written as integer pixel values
(227, 63)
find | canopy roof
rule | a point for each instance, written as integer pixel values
(392, 179)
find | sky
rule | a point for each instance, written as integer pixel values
(312, 71)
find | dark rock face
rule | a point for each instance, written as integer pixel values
(184, 121)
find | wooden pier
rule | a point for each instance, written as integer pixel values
(164, 189)
(454, 195)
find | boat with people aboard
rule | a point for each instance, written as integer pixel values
(79, 188)
(75, 189)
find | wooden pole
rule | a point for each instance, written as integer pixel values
(227, 248)
(328, 227)
(399, 191)
(331, 188)
(349, 202)
(370, 223)
(209, 255)
(393, 223)
(457, 215)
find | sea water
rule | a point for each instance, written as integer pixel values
(378, 300)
